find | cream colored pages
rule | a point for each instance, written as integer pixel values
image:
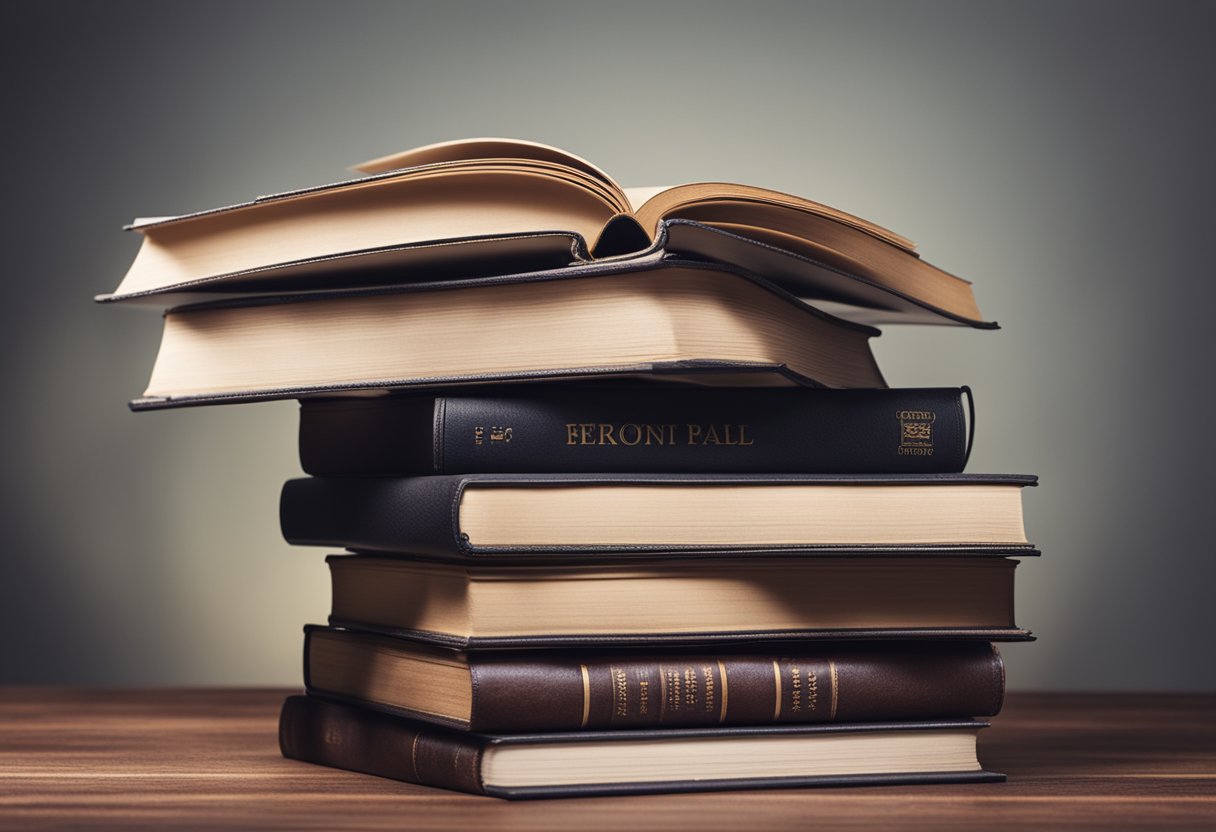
(463, 150)
(774, 515)
(423, 207)
(727, 758)
(669, 202)
(614, 321)
(639, 196)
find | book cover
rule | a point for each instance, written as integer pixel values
(639, 429)
(517, 766)
(598, 602)
(501, 515)
(615, 689)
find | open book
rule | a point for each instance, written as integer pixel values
(485, 207)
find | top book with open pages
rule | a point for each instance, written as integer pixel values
(487, 207)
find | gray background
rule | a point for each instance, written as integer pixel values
(1058, 154)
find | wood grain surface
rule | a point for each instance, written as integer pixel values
(209, 759)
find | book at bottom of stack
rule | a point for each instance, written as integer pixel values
(580, 644)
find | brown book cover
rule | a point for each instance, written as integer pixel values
(629, 762)
(614, 689)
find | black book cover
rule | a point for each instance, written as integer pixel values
(421, 515)
(640, 429)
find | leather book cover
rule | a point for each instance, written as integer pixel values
(630, 429)
(421, 515)
(608, 689)
(370, 742)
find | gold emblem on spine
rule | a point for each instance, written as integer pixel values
(586, 696)
(915, 432)
(501, 434)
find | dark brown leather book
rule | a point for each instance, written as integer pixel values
(585, 429)
(711, 600)
(498, 206)
(495, 516)
(629, 762)
(572, 690)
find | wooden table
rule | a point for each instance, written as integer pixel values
(204, 759)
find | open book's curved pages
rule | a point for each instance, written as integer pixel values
(487, 207)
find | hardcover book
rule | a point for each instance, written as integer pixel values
(629, 762)
(668, 320)
(497, 515)
(630, 429)
(611, 689)
(495, 206)
(714, 600)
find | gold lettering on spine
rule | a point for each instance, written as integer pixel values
(777, 688)
(725, 691)
(586, 696)
(662, 694)
(835, 688)
(603, 434)
(675, 689)
(795, 689)
(690, 687)
(620, 692)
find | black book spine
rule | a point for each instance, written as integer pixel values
(416, 515)
(913, 431)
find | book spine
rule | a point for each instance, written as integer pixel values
(915, 683)
(333, 735)
(414, 515)
(657, 431)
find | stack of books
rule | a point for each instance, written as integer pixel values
(630, 516)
